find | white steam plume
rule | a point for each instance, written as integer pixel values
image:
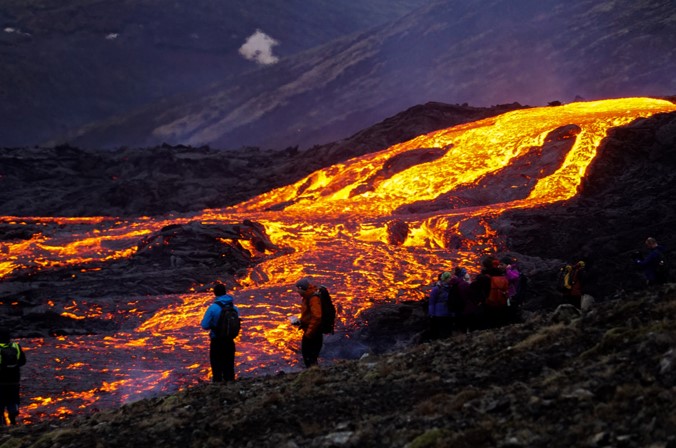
(258, 48)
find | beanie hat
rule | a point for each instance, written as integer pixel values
(446, 276)
(507, 260)
(460, 272)
(303, 284)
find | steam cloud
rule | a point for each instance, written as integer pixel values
(258, 48)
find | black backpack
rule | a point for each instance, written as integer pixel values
(328, 310)
(9, 355)
(229, 322)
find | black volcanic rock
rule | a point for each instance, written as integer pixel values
(169, 261)
(626, 196)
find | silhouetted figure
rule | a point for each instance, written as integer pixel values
(12, 357)
(654, 265)
(491, 291)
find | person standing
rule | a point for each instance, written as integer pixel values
(12, 357)
(310, 322)
(221, 346)
(441, 321)
(654, 264)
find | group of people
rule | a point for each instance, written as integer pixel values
(222, 349)
(577, 279)
(456, 302)
(491, 299)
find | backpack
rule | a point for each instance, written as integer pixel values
(499, 293)
(328, 310)
(9, 355)
(229, 322)
(564, 280)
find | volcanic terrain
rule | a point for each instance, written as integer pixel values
(100, 282)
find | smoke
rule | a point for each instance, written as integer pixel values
(258, 48)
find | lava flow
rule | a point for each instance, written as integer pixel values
(377, 227)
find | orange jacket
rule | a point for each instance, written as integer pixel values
(310, 312)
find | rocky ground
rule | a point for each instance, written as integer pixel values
(604, 377)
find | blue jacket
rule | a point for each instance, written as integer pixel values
(650, 262)
(438, 306)
(210, 319)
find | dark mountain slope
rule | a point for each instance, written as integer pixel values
(67, 181)
(71, 62)
(479, 52)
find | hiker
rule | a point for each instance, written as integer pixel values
(310, 322)
(515, 281)
(491, 290)
(222, 343)
(468, 313)
(654, 264)
(12, 357)
(578, 283)
(438, 309)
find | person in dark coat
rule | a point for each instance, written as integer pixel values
(10, 377)
(654, 264)
(441, 322)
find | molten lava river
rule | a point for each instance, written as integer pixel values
(337, 226)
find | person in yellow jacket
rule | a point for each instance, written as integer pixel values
(310, 322)
(12, 357)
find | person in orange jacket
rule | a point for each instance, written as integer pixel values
(310, 322)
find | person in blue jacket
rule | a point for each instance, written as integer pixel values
(654, 264)
(441, 322)
(221, 350)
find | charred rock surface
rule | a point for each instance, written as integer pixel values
(173, 260)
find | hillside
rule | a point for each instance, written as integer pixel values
(71, 62)
(71, 181)
(603, 378)
(478, 52)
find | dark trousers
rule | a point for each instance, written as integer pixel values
(310, 348)
(222, 358)
(9, 399)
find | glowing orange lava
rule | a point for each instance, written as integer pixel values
(335, 222)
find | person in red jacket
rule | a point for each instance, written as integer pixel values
(310, 322)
